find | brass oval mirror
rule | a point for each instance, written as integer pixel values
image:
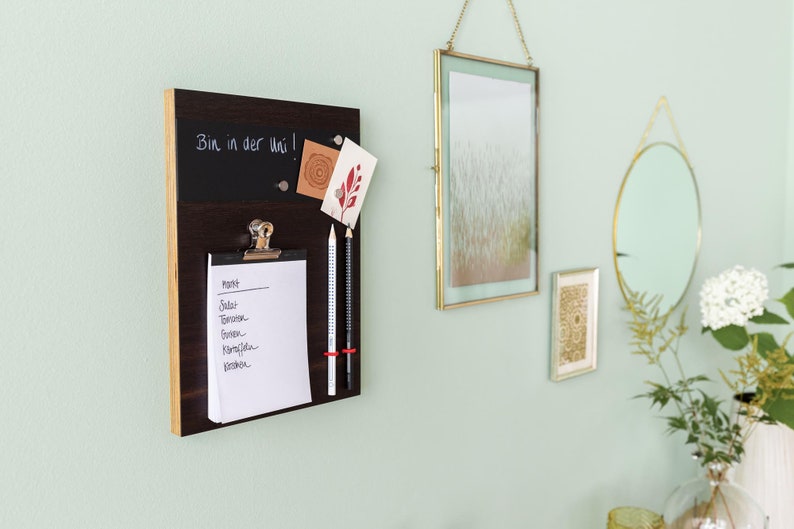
(656, 230)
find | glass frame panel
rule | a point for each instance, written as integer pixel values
(486, 163)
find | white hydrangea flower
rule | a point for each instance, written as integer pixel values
(733, 297)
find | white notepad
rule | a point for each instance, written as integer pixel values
(256, 336)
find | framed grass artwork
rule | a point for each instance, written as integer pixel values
(574, 323)
(486, 163)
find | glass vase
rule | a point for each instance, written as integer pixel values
(713, 502)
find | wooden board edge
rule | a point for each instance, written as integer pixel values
(173, 279)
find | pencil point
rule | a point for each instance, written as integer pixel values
(349, 233)
(332, 234)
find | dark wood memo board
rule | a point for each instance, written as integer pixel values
(213, 192)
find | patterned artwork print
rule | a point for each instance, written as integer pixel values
(318, 170)
(347, 193)
(317, 167)
(491, 182)
(491, 233)
(573, 323)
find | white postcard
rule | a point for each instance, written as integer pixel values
(349, 181)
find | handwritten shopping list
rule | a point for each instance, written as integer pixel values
(349, 182)
(256, 337)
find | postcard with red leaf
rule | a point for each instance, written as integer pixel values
(349, 181)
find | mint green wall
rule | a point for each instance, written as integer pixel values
(788, 244)
(458, 426)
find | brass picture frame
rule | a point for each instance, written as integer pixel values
(486, 163)
(574, 334)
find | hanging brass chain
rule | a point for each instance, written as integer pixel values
(520, 33)
(451, 41)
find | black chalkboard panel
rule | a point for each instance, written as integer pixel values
(233, 161)
(226, 157)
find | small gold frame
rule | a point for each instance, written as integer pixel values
(574, 333)
(487, 221)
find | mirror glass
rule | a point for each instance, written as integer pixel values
(656, 233)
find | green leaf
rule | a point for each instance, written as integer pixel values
(786, 265)
(711, 405)
(782, 409)
(788, 301)
(675, 423)
(732, 337)
(768, 317)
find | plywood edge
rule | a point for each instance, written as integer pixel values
(173, 279)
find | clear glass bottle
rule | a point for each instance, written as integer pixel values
(713, 502)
